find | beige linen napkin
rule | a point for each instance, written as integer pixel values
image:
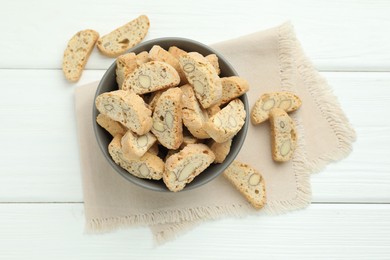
(270, 60)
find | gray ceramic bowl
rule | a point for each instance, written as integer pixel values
(108, 83)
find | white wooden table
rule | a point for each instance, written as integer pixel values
(41, 204)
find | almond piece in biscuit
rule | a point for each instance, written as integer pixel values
(149, 166)
(111, 126)
(151, 76)
(182, 167)
(248, 181)
(125, 37)
(194, 117)
(167, 119)
(287, 101)
(203, 77)
(135, 146)
(127, 108)
(77, 52)
(226, 123)
(283, 135)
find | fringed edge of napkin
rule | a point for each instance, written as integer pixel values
(170, 233)
(287, 68)
(327, 102)
(103, 225)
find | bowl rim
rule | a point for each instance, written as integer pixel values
(138, 181)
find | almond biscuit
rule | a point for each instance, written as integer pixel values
(77, 52)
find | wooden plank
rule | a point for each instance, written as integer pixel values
(39, 155)
(55, 231)
(337, 35)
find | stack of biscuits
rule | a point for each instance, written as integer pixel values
(172, 115)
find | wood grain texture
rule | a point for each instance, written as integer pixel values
(55, 231)
(40, 161)
(337, 35)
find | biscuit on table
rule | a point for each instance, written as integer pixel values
(283, 135)
(125, 37)
(127, 108)
(77, 52)
(149, 166)
(167, 119)
(284, 100)
(248, 181)
(182, 167)
(151, 76)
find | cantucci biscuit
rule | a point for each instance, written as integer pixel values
(194, 117)
(77, 52)
(154, 149)
(221, 150)
(134, 146)
(213, 59)
(227, 122)
(176, 52)
(182, 167)
(248, 181)
(153, 99)
(149, 166)
(189, 139)
(151, 76)
(111, 126)
(203, 77)
(233, 87)
(127, 108)
(125, 64)
(143, 57)
(125, 37)
(283, 135)
(167, 119)
(284, 100)
(159, 54)
(213, 110)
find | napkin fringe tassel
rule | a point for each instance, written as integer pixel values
(102, 225)
(323, 96)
